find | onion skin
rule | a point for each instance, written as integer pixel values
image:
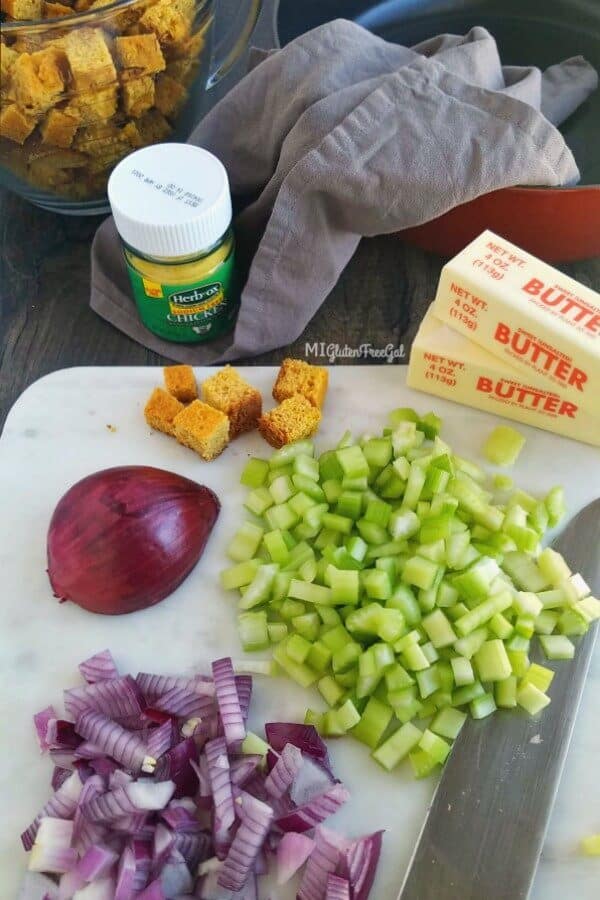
(124, 538)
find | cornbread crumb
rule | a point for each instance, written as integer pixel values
(298, 377)
(38, 79)
(242, 404)
(202, 428)
(139, 54)
(161, 410)
(138, 95)
(22, 9)
(15, 124)
(180, 381)
(58, 129)
(293, 420)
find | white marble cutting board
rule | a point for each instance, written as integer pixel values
(57, 433)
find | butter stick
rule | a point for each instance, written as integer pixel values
(444, 363)
(526, 313)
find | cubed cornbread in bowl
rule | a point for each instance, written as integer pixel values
(295, 419)
(298, 377)
(161, 409)
(242, 404)
(180, 381)
(203, 429)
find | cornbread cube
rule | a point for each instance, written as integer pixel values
(58, 129)
(161, 409)
(138, 95)
(8, 57)
(180, 381)
(89, 59)
(242, 404)
(56, 10)
(122, 21)
(153, 127)
(203, 429)
(293, 420)
(298, 377)
(91, 107)
(38, 79)
(15, 124)
(22, 9)
(139, 54)
(182, 70)
(165, 22)
(169, 95)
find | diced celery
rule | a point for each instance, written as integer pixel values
(308, 570)
(378, 512)
(253, 631)
(428, 681)
(377, 584)
(414, 486)
(308, 625)
(281, 584)
(538, 675)
(505, 692)
(557, 646)
(245, 542)
(297, 648)
(378, 452)
(524, 626)
(355, 485)
(439, 629)
(329, 617)
(456, 611)
(481, 614)
(337, 523)
(373, 723)
(281, 516)
(427, 598)
(555, 504)
(524, 571)
(307, 466)
(500, 626)
(347, 716)
(259, 589)
(457, 545)
(349, 504)
(503, 482)
(291, 609)
(469, 645)
(398, 746)
(519, 662)
(397, 678)
(482, 706)
(281, 489)
(462, 670)
(254, 473)
(430, 425)
(240, 575)
(414, 659)
(467, 693)
(572, 624)
(301, 503)
(503, 445)
(258, 501)
(531, 698)
(344, 584)
(403, 599)
(276, 546)
(319, 657)
(299, 672)
(391, 548)
(352, 461)
(335, 638)
(437, 748)
(430, 652)
(311, 717)
(546, 622)
(279, 473)
(421, 763)
(492, 662)
(309, 593)
(420, 572)
(277, 631)
(332, 490)
(330, 690)
(402, 414)
(329, 467)
(346, 657)
(518, 642)
(588, 609)
(447, 595)
(286, 455)
(448, 723)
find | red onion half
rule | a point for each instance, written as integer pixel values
(125, 538)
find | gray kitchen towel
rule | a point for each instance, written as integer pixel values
(341, 135)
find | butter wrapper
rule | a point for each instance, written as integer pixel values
(444, 363)
(526, 313)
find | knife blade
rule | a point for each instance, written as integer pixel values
(485, 828)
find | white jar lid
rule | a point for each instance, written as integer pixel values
(170, 200)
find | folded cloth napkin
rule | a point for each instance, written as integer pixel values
(341, 135)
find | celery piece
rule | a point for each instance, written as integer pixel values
(538, 518)
(420, 572)
(309, 487)
(402, 414)
(439, 629)
(414, 659)
(467, 693)
(286, 455)
(456, 611)
(435, 746)
(297, 648)
(258, 501)
(346, 440)
(291, 609)
(357, 548)
(518, 642)
(526, 539)
(281, 516)
(348, 680)
(427, 599)
(245, 542)
(481, 614)
(332, 490)
(373, 723)
(344, 584)
(300, 503)
(448, 723)
(503, 482)
(281, 584)
(352, 461)
(590, 845)
(500, 626)
(319, 657)
(505, 692)
(329, 467)
(397, 678)
(307, 466)
(401, 467)
(378, 452)
(276, 546)
(330, 726)
(281, 489)
(371, 533)
(403, 599)
(414, 486)
(531, 698)
(349, 504)
(524, 626)
(309, 593)
(308, 570)
(457, 545)
(482, 706)
(259, 589)
(524, 572)
(253, 745)
(391, 548)
(337, 523)
(469, 645)
(355, 485)
(346, 657)
(538, 675)
(279, 473)
(435, 528)
(299, 672)
(474, 583)
(330, 690)
(429, 652)
(555, 504)
(519, 661)
(252, 628)
(240, 575)
(403, 524)
(557, 646)
(335, 638)
(430, 425)
(404, 437)
(428, 682)
(572, 624)
(503, 445)
(492, 662)
(347, 715)
(379, 512)
(254, 473)
(470, 502)
(462, 670)
(311, 717)
(308, 625)
(329, 617)
(413, 637)
(546, 622)
(404, 703)
(553, 567)
(398, 746)
(377, 584)
(588, 608)
(421, 763)
(277, 631)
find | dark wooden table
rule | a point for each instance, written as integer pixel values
(46, 323)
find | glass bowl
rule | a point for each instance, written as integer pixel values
(89, 83)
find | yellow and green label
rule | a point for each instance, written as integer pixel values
(190, 313)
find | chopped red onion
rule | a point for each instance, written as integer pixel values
(59, 776)
(228, 701)
(175, 876)
(154, 891)
(117, 697)
(182, 816)
(85, 833)
(185, 702)
(42, 721)
(243, 767)
(243, 685)
(60, 806)
(337, 888)
(284, 771)
(125, 876)
(99, 667)
(315, 811)
(359, 864)
(115, 741)
(305, 737)
(322, 862)
(177, 765)
(220, 783)
(161, 739)
(255, 822)
(292, 852)
(154, 686)
(52, 852)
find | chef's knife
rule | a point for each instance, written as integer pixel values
(485, 828)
